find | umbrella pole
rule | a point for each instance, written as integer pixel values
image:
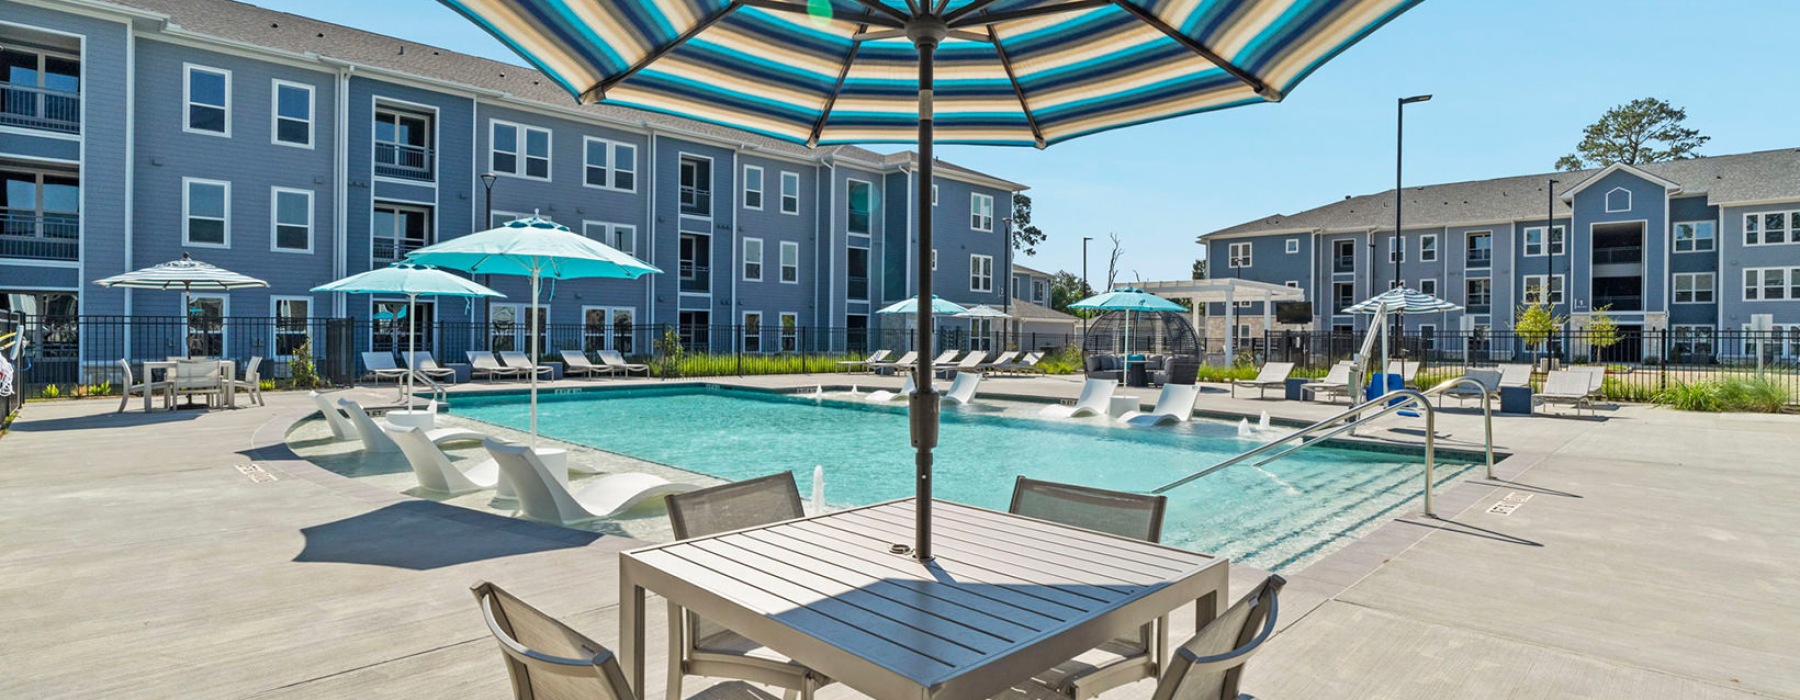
(925, 33)
(412, 334)
(534, 354)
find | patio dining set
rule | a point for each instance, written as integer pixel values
(217, 380)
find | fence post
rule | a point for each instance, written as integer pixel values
(1662, 373)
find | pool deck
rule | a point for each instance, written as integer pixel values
(1647, 553)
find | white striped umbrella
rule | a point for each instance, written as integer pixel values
(187, 275)
(1400, 301)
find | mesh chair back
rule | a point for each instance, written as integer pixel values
(1113, 512)
(734, 506)
(1207, 667)
(545, 658)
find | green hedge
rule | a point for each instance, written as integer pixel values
(721, 365)
(1732, 394)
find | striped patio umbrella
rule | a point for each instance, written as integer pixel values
(1015, 73)
(1400, 301)
(187, 275)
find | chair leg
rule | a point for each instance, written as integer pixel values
(677, 652)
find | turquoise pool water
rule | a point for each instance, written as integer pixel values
(1278, 517)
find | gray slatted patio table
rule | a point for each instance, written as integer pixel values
(1005, 598)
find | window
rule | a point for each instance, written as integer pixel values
(293, 113)
(398, 230)
(859, 203)
(1292, 284)
(1428, 286)
(1691, 339)
(1343, 296)
(40, 214)
(1428, 332)
(1343, 256)
(1693, 287)
(856, 273)
(389, 326)
(934, 260)
(609, 165)
(290, 330)
(43, 89)
(981, 273)
(752, 331)
(696, 186)
(1534, 285)
(934, 194)
(620, 237)
(206, 213)
(790, 262)
(206, 324)
(1481, 249)
(1771, 283)
(981, 334)
(1694, 236)
(603, 323)
(1428, 248)
(1770, 228)
(981, 212)
(1293, 245)
(403, 144)
(1396, 249)
(291, 220)
(1040, 291)
(790, 193)
(208, 93)
(1238, 255)
(753, 259)
(1395, 284)
(1618, 199)
(753, 187)
(594, 329)
(518, 150)
(1534, 241)
(790, 331)
(1478, 296)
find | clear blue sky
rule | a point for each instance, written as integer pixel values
(1514, 82)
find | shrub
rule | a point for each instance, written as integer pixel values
(669, 352)
(1625, 389)
(302, 374)
(1733, 394)
(1065, 360)
(1217, 374)
(50, 391)
(724, 364)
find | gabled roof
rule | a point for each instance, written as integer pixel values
(1568, 195)
(299, 35)
(1026, 311)
(1017, 268)
(1739, 178)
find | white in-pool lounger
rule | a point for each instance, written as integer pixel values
(340, 426)
(376, 440)
(906, 389)
(435, 472)
(1174, 405)
(1096, 395)
(962, 391)
(545, 499)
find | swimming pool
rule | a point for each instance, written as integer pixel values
(1279, 517)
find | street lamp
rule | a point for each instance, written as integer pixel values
(487, 221)
(1394, 252)
(1549, 260)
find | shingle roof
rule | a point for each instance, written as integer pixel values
(287, 32)
(1021, 268)
(1026, 311)
(1742, 177)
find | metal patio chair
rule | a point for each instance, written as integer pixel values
(1208, 666)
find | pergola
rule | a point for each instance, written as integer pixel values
(1228, 292)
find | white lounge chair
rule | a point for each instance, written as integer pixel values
(435, 472)
(381, 366)
(575, 363)
(615, 360)
(962, 390)
(1096, 396)
(999, 359)
(906, 389)
(424, 363)
(375, 439)
(341, 427)
(482, 362)
(201, 377)
(517, 360)
(1335, 383)
(1515, 375)
(147, 388)
(1174, 405)
(250, 380)
(866, 363)
(1489, 379)
(1596, 375)
(905, 360)
(1271, 374)
(969, 362)
(945, 359)
(1023, 365)
(1566, 387)
(1407, 370)
(545, 499)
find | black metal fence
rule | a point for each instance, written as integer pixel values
(12, 354)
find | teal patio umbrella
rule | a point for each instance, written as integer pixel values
(1128, 300)
(910, 307)
(414, 281)
(1017, 73)
(540, 249)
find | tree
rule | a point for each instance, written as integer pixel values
(1112, 262)
(1025, 237)
(1200, 269)
(1066, 289)
(1602, 330)
(1630, 134)
(1536, 324)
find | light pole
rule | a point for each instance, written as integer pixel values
(1085, 287)
(487, 221)
(1399, 148)
(1549, 259)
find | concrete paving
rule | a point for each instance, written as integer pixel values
(1646, 553)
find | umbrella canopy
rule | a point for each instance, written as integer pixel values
(1128, 299)
(186, 274)
(983, 311)
(414, 281)
(1018, 72)
(538, 248)
(1403, 301)
(939, 307)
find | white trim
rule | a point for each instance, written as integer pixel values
(1791, 279)
(611, 233)
(187, 99)
(1396, 246)
(187, 216)
(431, 112)
(1568, 195)
(781, 262)
(711, 180)
(1525, 241)
(781, 194)
(1234, 261)
(187, 330)
(1435, 253)
(1712, 244)
(1606, 201)
(978, 221)
(849, 182)
(1711, 289)
(611, 170)
(34, 262)
(976, 263)
(743, 331)
(275, 301)
(1559, 287)
(1790, 233)
(312, 112)
(762, 255)
(275, 219)
(762, 188)
(1421, 288)
(781, 330)
(22, 131)
(521, 141)
(1291, 246)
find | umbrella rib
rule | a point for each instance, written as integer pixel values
(883, 8)
(665, 49)
(992, 18)
(1037, 134)
(1255, 83)
(966, 10)
(801, 9)
(818, 127)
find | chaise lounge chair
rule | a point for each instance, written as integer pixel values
(482, 362)
(945, 359)
(615, 360)
(962, 390)
(1515, 375)
(435, 472)
(1272, 374)
(866, 364)
(905, 360)
(1566, 387)
(375, 439)
(424, 363)
(545, 499)
(575, 363)
(968, 363)
(1489, 379)
(906, 389)
(1406, 370)
(1023, 365)
(517, 360)
(1335, 383)
(1174, 405)
(1096, 396)
(381, 366)
(999, 359)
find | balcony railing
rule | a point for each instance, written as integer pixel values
(1620, 302)
(1477, 309)
(37, 236)
(695, 278)
(696, 201)
(1480, 258)
(1620, 254)
(387, 250)
(1343, 264)
(859, 288)
(40, 108)
(403, 161)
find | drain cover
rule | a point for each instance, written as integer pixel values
(1509, 503)
(257, 474)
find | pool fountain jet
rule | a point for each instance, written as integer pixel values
(1262, 424)
(1243, 428)
(818, 489)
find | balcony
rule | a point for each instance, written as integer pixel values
(695, 278)
(402, 161)
(1343, 264)
(1620, 302)
(38, 236)
(40, 108)
(696, 201)
(387, 250)
(1619, 255)
(859, 288)
(1478, 309)
(1479, 258)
